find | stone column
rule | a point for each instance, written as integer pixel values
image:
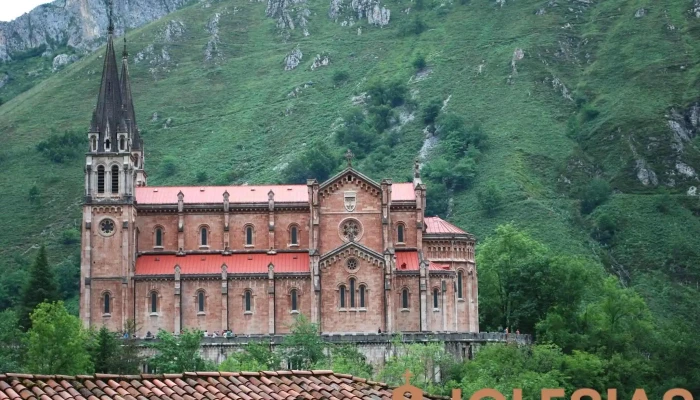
(314, 259)
(420, 210)
(314, 209)
(271, 219)
(423, 296)
(443, 299)
(86, 267)
(271, 298)
(176, 314)
(180, 222)
(387, 231)
(224, 297)
(388, 294)
(227, 240)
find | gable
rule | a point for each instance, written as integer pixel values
(349, 178)
(352, 249)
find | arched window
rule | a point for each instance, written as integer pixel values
(400, 233)
(435, 298)
(203, 236)
(248, 301)
(154, 302)
(293, 236)
(115, 179)
(101, 179)
(352, 292)
(122, 143)
(294, 299)
(107, 143)
(93, 143)
(342, 296)
(248, 235)
(107, 303)
(362, 296)
(200, 301)
(404, 298)
(159, 237)
(459, 284)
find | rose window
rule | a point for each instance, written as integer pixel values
(351, 230)
(352, 264)
(107, 226)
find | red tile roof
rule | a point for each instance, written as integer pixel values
(408, 261)
(267, 385)
(243, 194)
(438, 225)
(215, 194)
(202, 264)
(402, 191)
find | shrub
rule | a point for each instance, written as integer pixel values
(590, 113)
(431, 111)
(490, 199)
(414, 26)
(60, 148)
(606, 226)
(438, 200)
(34, 195)
(665, 202)
(316, 162)
(70, 236)
(201, 177)
(339, 77)
(381, 117)
(168, 167)
(419, 62)
(392, 93)
(356, 134)
(595, 193)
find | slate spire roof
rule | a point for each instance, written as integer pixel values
(108, 114)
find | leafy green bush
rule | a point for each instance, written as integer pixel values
(413, 26)
(70, 236)
(60, 148)
(590, 113)
(431, 111)
(201, 177)
(340, 77)
(392, 93)
(457, 138)
(419, 62)
(356, 134)
(168, 167)
(595, 193)
(490, 198)
(438, 199)
(606, 226)
(316, 162)
(382, 117)
(34, 195)
(665, 202)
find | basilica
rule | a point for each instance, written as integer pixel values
(352, 254)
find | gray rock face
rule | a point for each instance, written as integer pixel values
(212, 51)
(62, 60)
(81, 24)
(696, 8)
(375, 13)
(292, 59)
(290, 14)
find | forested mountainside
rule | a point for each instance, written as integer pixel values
(576, 120)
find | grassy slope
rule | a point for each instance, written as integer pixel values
(230, 114)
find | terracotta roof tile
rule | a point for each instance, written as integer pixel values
(268, 385)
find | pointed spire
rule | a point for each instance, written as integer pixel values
(109, 102)
(128, 102)
(110, 12)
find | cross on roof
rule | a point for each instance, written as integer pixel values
(349, 156)
(408, 375)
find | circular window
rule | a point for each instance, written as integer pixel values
(107, 227)
(352, 264)
(350, 230)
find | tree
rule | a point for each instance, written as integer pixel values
(104, 351)
(303, 347)
(255, 356)
(316, 162)
(41, 287)
(431, 111)
(34, 195)
(128, 359)
(56, 342)
(595, 193)
(11, 342)
(490, 198)
(177, 354)
(346, 359)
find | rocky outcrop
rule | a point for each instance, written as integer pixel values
(696, 8)
(80, 24)
(4, 78)
(375, 13)
(212, 51)
(158, 55)
(684, 125)
(290, 14)
(62, 60)
(321, 60)
(293, 59)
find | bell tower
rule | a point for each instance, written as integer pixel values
(113, 168)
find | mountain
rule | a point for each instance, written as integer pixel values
(63, 30)
(588, 111)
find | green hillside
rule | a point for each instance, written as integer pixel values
(564, 91)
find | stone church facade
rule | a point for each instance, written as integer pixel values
(351, 254)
